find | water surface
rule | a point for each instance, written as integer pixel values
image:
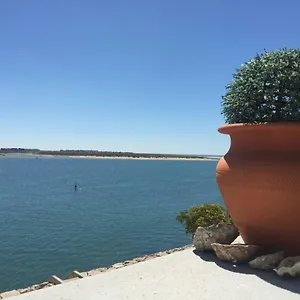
(122, 209)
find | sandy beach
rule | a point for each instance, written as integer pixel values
(33, 155)
(130, 157)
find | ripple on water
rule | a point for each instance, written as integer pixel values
(121, 210)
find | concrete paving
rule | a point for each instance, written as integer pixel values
(178, 276)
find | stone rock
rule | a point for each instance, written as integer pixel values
(42, 285)
(236, 252)
(128, 262)
(55, 280)
(9, 294)
(268, 261)
(221, 233)
(160, 254)
(25, 290)
(93, 272)
(150, 257)
(289, 266)
(138, 259)
(238, 240)
(74, 274)
(118, 266)
(35, 287)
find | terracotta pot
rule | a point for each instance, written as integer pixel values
(259, 179)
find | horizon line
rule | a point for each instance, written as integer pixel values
(10, 149)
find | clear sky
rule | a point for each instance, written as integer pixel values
(134, 75)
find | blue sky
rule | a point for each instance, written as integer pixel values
(144, 76)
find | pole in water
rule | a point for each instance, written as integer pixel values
(75, 187)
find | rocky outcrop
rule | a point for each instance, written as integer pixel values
(236, 252)
(267, 262)
(289, 266)
(221, 233)
(224, 240)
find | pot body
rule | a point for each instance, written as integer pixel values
(259, 179)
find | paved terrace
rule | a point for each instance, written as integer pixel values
(180, 275)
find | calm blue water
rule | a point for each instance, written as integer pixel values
(121, 210)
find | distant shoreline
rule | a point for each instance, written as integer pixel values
(128, 157)
(31, 155)
(94, 154)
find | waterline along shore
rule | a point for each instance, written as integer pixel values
(75, 275)
(131, 157)
(183, 274)
(101, 154)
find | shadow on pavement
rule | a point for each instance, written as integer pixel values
(290, 284)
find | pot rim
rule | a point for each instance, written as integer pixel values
(238, 127)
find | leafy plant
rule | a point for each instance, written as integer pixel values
(202, 215)
(265, 89)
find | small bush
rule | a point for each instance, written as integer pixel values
(202, 215)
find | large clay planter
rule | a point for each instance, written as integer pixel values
(259, 179)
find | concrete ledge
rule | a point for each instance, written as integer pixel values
(55, 280)
(180, 275)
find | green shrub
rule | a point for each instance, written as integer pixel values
(202, 215)
(265, 89)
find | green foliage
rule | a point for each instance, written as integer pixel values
(265, 89)
(202, 215)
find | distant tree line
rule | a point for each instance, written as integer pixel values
(95, 153)
(19, 150)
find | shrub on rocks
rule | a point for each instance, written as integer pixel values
(202, 215)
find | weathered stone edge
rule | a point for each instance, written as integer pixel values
(78, 275)
(134, 261)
